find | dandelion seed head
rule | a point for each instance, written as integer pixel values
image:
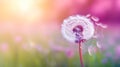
(77, 28)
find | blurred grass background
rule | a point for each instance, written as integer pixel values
(17, 51)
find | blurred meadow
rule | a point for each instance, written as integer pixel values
(30, 33)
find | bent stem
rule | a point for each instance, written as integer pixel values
(80, 55)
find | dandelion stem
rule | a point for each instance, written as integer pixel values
(80, 55)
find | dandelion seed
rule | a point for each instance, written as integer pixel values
(98, 45)
(91, 50)
(88, 15)
(95, 18)
(101, 25)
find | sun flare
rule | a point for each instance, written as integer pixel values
(20, 10)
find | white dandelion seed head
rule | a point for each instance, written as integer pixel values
(77, 22)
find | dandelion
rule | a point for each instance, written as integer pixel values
(78, 29)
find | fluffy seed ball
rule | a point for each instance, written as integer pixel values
(77, 28)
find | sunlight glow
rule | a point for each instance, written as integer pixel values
(25, 5)
(20, 10)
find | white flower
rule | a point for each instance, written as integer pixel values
(77, 28)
